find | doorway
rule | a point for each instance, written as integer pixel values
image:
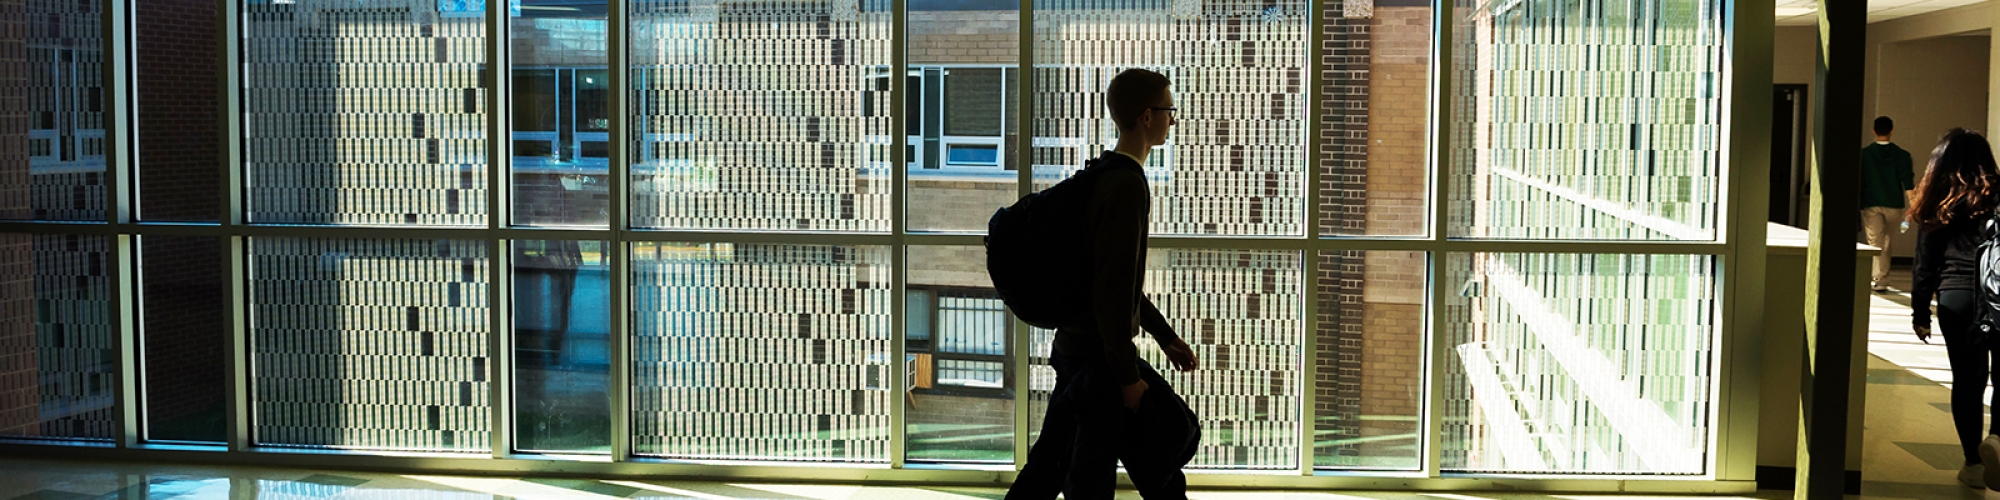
(1789, 177)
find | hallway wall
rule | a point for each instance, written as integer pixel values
(1929, 86)
(1929, 72)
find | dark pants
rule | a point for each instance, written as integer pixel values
(1971, 366)
(1088, 430)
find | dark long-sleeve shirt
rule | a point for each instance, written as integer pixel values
(1116, 219)
(1947, 259)
(1885, 175)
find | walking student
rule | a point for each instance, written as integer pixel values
(1886, 181)
(1951, 210)
(1108, 404)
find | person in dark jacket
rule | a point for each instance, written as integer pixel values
(1108, 404)
(1950, 210)
(1886, 181)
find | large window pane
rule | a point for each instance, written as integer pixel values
(1375, 111)
(760, 115)
(762, 352)
(376, 344)
(1240, 311)
(962, 90)
(1593, 120)
(1368, 365)
(1236, 164)
(561, 113)
(180, 111)
(960, 347)
(1578, 363)
(184, 307)
(52, 148)
(364, 113)
(562, 346)
(61, 361)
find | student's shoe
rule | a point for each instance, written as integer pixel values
(1972, 476)
(1879, 288)
(1990, 447)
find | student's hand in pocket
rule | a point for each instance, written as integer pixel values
(1181, 355)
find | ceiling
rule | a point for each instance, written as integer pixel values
(1805, 12)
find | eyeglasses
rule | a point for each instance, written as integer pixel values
(1169, 110)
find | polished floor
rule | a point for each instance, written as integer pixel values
(1909, 454)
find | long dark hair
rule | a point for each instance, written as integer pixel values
(1959, 182)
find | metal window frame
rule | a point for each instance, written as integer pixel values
(1737, 251)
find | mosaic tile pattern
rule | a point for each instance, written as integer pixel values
(1589, 120)
(378, 344)
(763, 352)
(789, 149)
(1235, 164)
(364, 112)
(59, 170)
(1238, 310)
(1579, 363)
(61, 349)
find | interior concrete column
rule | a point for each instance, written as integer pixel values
(1830, 254)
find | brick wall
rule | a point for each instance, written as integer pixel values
(558, 42)
(957, 205)
(14, 119)
(1368, 362)
(180, 129)
(542, 200)
(186, 334)
(1344, 161)
(964, 37)
(19, 395)
(1392, 308)
(935, 408)
(949, 266)
(1398, 109)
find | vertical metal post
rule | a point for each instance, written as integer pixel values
(1443, 20)
(238, 406)
(1830, 265)
(1024, 183)
(1311, 84)
(120, 147)
(1748, 30)
(117, 74)
(499, 252)
(617, 251)
(500, 344)
(127, 397)
(899, 254)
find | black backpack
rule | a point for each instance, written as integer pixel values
(1035, 251)
(1989, 281)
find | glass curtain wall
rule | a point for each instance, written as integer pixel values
(745, 231)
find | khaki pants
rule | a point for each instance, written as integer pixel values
(1881, 225)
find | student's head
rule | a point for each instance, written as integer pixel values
(1141, 104)
(1959, 182)
(1884, 125)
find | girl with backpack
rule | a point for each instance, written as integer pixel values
(1953, 206)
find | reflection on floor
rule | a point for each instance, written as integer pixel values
(1910, 454)
(1910, 450)
(48, 480)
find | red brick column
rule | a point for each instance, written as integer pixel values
(179, 122)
